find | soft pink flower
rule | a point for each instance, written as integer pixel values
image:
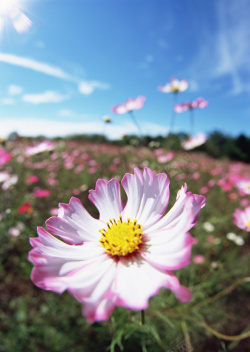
(244, 202)
(41, 193)
(124, 257)
(164, 158)
(53, 211)
(194, 141)
(242, 218)
(198, 259)
(190, 105)
(32, 179)
(174, 86)
(129, 105)
(243, 186)
(4, 156)
(204, 189)
(39, 148)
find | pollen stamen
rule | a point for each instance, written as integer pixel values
(121, 238)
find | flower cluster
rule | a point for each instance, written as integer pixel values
(189, 105)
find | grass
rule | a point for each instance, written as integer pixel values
(34, 320)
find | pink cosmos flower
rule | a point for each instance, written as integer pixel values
(243, 186)
(198, 259)
(174, 86)
(194, 141)
(124, 257)
(198, 103)
(4, 156)
(41, 193)
(32, 179)
(129, 105)
(242, 218)
(39, 148)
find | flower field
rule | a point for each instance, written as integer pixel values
(37, 175)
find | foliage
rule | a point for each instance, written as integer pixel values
(34, 320)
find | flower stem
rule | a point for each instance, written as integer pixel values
(191, 122)
(132, 115)
(171, 128)
(142, 317)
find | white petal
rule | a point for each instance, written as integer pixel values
(148, 196)
(74, 224)
(107, 198)
(137, 281)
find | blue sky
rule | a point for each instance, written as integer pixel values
(81, 57)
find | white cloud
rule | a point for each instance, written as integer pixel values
(46, 97)
(38, 66)
(7, 101)
(85, 87)
(88, 87)
(13, 90)
(65, 112)
(35, 127)
(225, 53)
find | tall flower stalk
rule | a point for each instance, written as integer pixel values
(191, 105)
(128, 107)
(175, 86)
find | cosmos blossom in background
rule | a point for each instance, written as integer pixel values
(10, 11)
(41, 193)
(241, 218)
(175, 86)
(124, 257)
(194, 141)
(4, 156)
(45, 146)
(243, 186)
(128, 107)
(200, 103)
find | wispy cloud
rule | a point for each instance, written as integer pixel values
(225, 53)
(88, 87)
(85, 87)
(46, 97)
(34, 65)
(7, 101)
(50, 128)
(14, 90)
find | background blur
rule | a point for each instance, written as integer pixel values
(78, 58)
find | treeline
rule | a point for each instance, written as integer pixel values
(218, 145)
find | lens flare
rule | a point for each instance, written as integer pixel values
(10, 11)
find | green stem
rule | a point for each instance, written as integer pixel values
(142, 317)
(132, 115)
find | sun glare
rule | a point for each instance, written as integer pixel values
(6, 6)
(10, 11)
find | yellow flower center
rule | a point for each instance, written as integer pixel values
(121, 238)
(248, 224)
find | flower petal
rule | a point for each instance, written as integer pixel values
(168, 251)
(185, 200)
(55, 261)
(137, 281)
(74, 224)
(99, 312)
(148, 196)
(107, 198)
